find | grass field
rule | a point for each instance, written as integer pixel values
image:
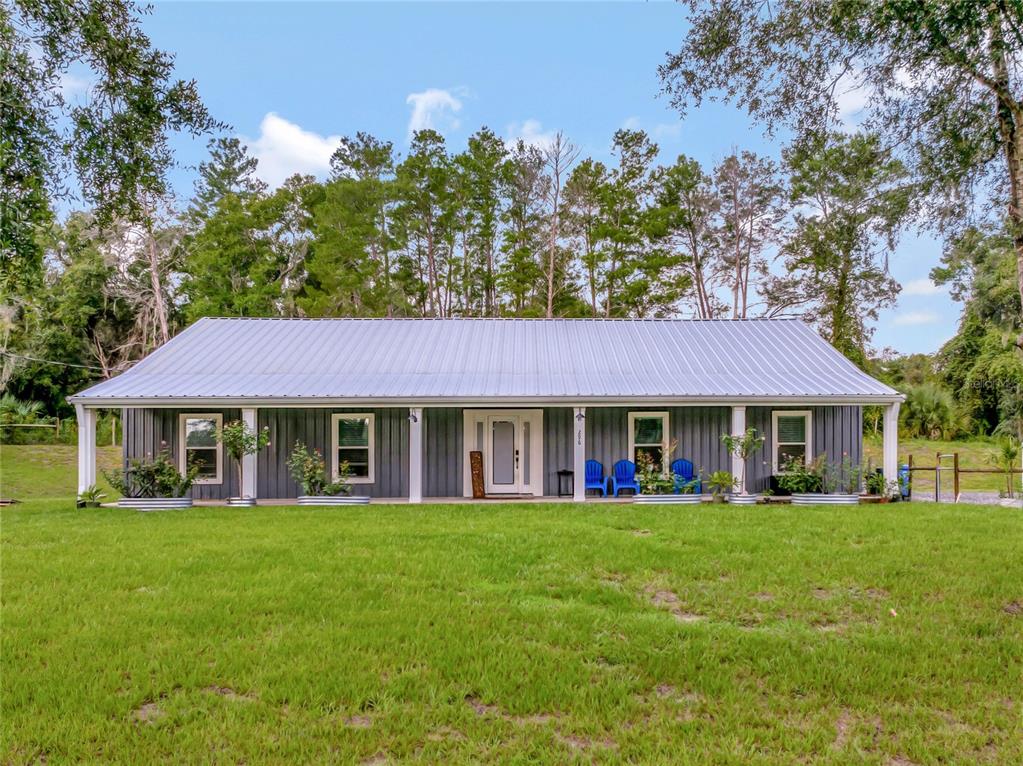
(49, 470)
(972, 454)
(512, 634)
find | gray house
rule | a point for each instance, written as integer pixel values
(405, 401)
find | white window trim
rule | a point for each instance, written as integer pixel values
(334, 446)
(808, 452)
(183, 453)
(664, 435)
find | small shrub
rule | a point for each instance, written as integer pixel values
(156, 477)
(799, 478)
(310, 473)
(720, 483)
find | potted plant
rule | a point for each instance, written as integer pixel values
(721, 484)
(310, 473)
(820, 483)
(804, 482)
(659, 485)
(152, 484)
(742, 447)
(238, 442)
(90, 497)
(878, 490)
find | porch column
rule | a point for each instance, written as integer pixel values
(248, 487)
(891, 442)
(415, 454)
(86, 446)
(738, 429)
(579, 455)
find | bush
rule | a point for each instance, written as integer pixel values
(156, 477)
(930, 412)
(309, 472)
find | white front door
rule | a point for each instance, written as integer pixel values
(512, 445)
(502, 457)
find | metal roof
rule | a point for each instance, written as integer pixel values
(323, 361)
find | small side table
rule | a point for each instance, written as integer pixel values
(566, 477)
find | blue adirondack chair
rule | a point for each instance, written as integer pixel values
(683, 472)
(595, 477)
(623, 476)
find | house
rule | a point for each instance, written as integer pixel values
(405, 401)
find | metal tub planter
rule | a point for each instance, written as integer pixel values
(743, 499)
(332, 500)
(669, 499)
(241, 502)
(817, 498)
(155, 503)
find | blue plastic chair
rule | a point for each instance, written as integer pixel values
(595, 477)
(623, 476)
(683, 471)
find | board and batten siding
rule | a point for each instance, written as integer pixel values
(147, 432)
(836, 431)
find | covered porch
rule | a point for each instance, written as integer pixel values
(422, 452)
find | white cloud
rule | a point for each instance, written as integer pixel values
(284, 148)
(531, 133)
(851, 97)
(922, 286)
(912, 318)
(72, 85)
(659, 131)
(631, 123)
(433, 109)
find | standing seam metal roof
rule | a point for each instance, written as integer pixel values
(473, 359)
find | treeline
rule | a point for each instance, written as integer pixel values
(494, 230)
(974, 384)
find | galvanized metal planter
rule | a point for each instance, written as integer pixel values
(743, 499)
(155, 503)
(242, 502)
(332, 500)
(668, 499)
(816, 498)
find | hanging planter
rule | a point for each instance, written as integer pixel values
(668, 499)
(332, 500)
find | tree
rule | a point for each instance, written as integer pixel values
(836, 274)
(941, 81)
(751, 209)
(116, 139)
(685, 221)
(525, 188)
(582, 217)
(480, 168)
(559, 157)
(229, 170)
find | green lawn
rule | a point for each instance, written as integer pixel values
(513, 634)
(972, 454)
(49, 470)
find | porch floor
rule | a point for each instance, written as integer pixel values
(445, 500)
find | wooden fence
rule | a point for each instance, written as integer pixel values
(945, 463)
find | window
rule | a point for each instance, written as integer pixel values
(352, 441)
(199, 444)
(648, 437)
(791, 437)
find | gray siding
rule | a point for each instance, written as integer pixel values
(312, 427)
(836, 431)
(442, 448)
(697, 430)
(150, 431)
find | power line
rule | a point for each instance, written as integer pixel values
(50, 361)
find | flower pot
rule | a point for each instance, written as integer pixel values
(743, 499)
(88, 504)
(155, 503)
(668, 499)
(817, 498)
(332, 500)
(242, 502)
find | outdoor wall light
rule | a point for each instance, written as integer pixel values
(412, 417)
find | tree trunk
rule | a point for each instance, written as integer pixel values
(159, 305)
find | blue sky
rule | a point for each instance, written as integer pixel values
(292, 77)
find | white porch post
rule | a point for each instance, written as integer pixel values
(891, 442)
(738, 429)
(248, 487)
(415, 455)
(579, 455)
(86, 446)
